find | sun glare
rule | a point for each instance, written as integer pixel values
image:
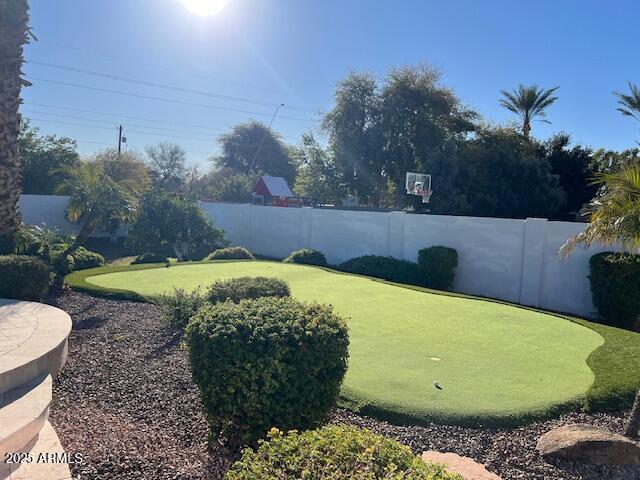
(204, 8)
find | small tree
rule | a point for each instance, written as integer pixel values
(171, 221)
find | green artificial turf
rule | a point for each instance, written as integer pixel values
(497, 364)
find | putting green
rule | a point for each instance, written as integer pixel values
(495, 363)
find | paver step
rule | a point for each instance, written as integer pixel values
(46, 443)
(33, 342)
(23, 413)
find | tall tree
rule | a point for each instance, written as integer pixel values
(529, 103)
(615, 220)
(44, 158)
(167, 164)
(355, 137)
(318, 175)
(125, 167)
(630, 103)
(239, 148)
(14, 25)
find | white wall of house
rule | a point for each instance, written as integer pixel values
(509, 259)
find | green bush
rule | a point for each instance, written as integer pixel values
(615, 287)
(438, 265)
(62, 264)
(24, 277)
(264, 363)
(231, 253)
(150, 257)
(84, 258)
(179, 306)
(387, 268)
(307, 256)
(247, 288)
(336, 452)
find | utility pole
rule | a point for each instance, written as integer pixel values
(119, 139)
(264, 135)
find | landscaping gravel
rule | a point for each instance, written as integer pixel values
(125, 400)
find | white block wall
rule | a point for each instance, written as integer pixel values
(509, 259)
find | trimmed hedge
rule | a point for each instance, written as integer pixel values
(24, 277)
(230, 253)
(615, 287)
(247, 288)
(79, 259)
(149, 257)
(84, 258)
(438, 265)
(307, 256)
(336, 452)
(180, 306)
(387, 268)
(264, 363)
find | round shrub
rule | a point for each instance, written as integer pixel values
(336, 452)
(247, 288)
(615, 283)
(308, 256)
(179, 306)
(438, 265)
(150, 257)
(387, 268)
(264, 363)
(231, 253)
(24, 277)
(63, 264)
(84, 258)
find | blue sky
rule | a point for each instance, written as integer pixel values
(266, 52)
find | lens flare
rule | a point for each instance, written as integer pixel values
(204, 8)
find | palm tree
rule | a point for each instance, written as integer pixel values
(629, 104)
(98, 201)
(615, 219)
(14, 25)
(529, 103)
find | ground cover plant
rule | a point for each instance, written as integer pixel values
(495, 363)
(150, 257)
(307, 256)
(336, 452)
(266, 362)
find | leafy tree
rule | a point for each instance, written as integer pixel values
(44, 159)
(575, 169)
(355, 138)
(167, 165)
(503, 175)
(98, 201)
(529, 103)
(615, 220)
(124, 167)
(630, 104)
(174, 222)
(14, 25)
(239, 149)
(318, 175)
(606, 161)
(226, 185)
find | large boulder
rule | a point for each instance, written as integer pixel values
(466, 467)
(586, 443)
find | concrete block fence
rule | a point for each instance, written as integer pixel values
(509, 259)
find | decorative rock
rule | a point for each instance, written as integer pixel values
(589, 444)
(469, 469)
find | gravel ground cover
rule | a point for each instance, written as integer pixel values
(125, 400)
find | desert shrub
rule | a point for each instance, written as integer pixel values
(247, 288)
(231, 253)
(339, 452)
(307, 256)
(264, 363)
(387, 268)
(84, 258)
(615, 283)
(178, 307)
(150, 257)
(175, 222)
(24, 277)
(438, 265)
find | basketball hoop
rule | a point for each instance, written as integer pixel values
(419, 184)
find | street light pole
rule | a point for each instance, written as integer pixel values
(264, 136)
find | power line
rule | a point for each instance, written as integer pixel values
(167, 87)
(137, 147)
(168, 100)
